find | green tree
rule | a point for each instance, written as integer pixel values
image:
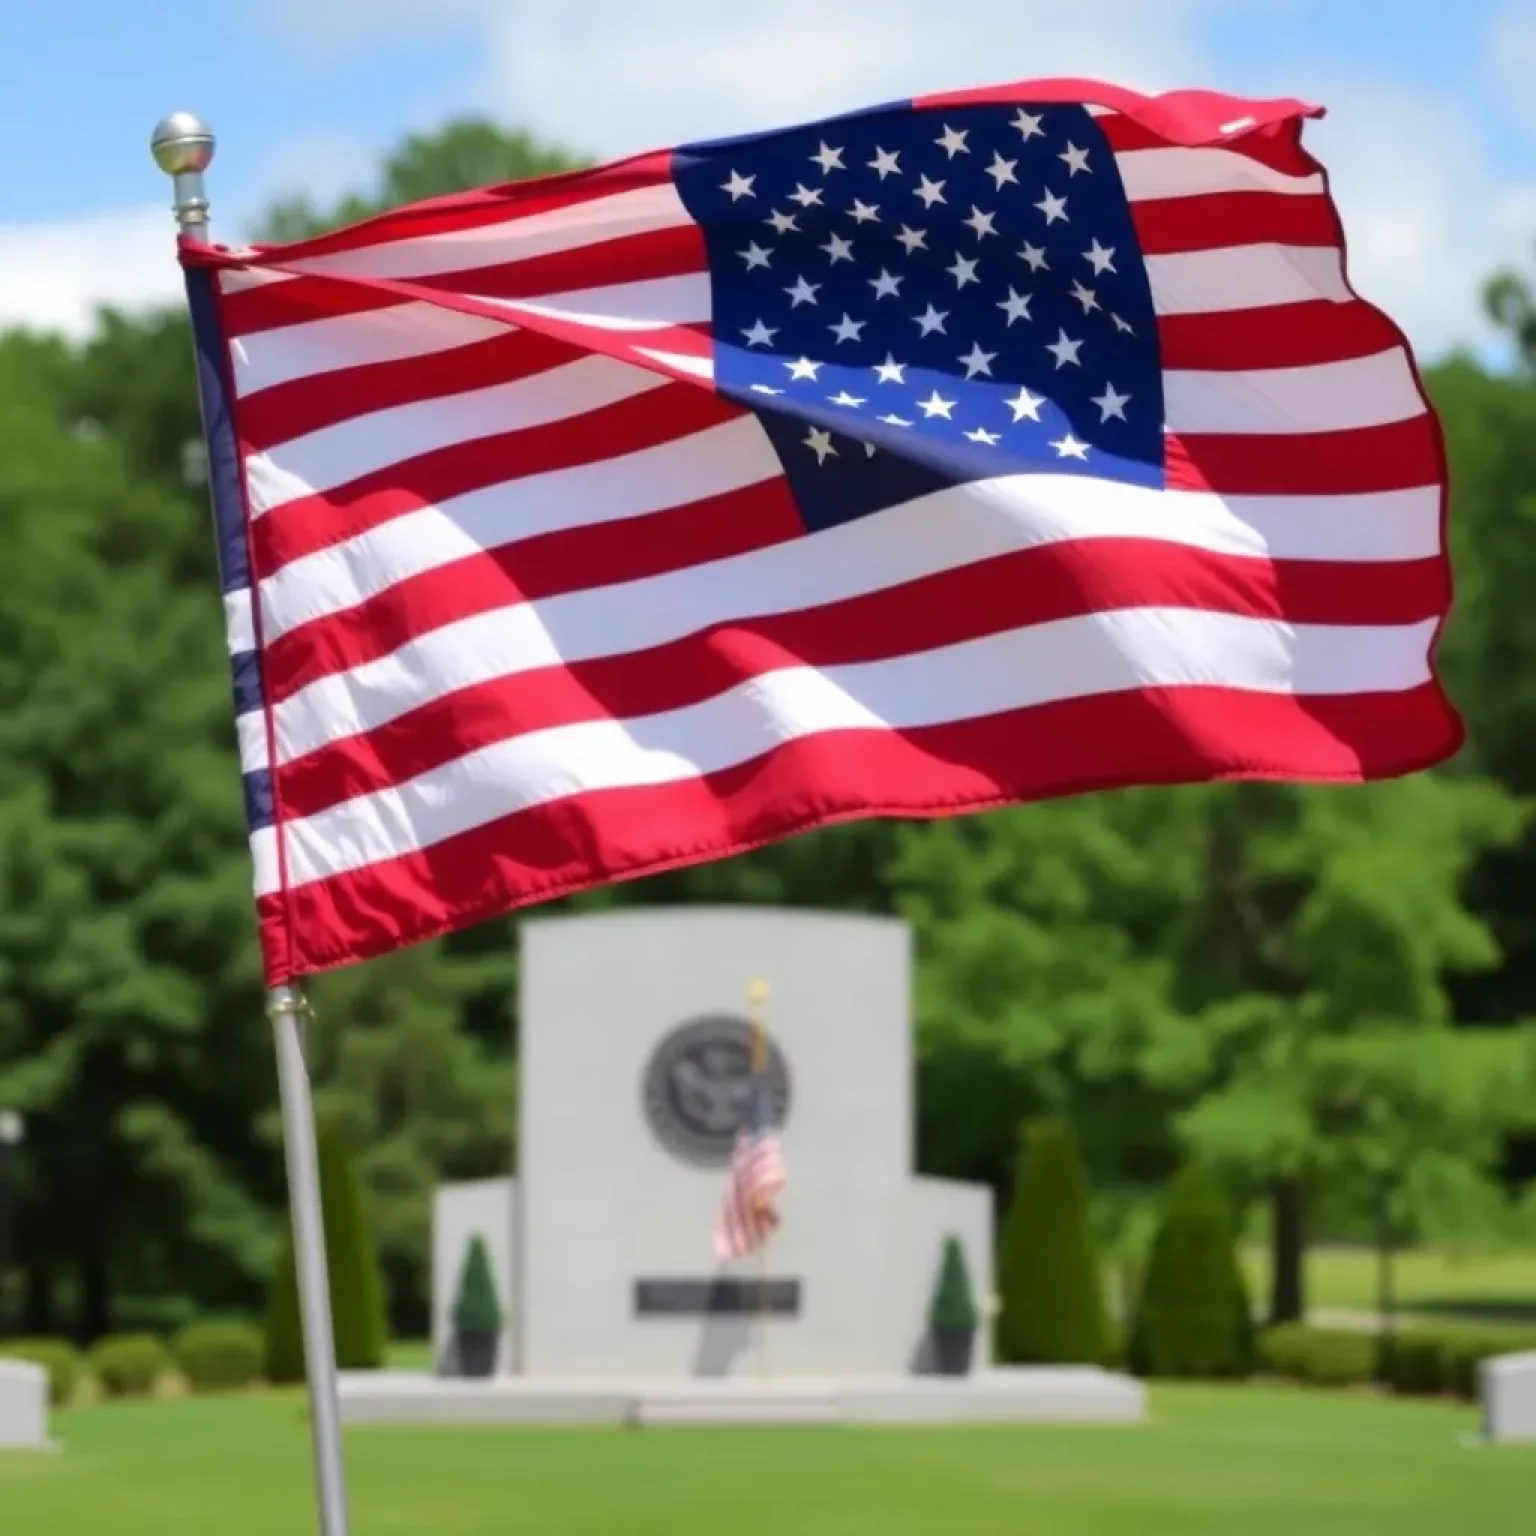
(1049, 1283)
(1193, 1317)
(126, 943)
(1317, 921)
(356, 1288)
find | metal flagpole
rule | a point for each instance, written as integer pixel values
(757, 1002)
(183, 145)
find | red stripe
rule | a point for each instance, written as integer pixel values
(289, 410)
(1163, 736)
(626, 259)
(570, 560)
(1277, 145)
(1391, 458)
(1169, 225)
(1032, 586)
(1277, 336)
(479, 208)
(312, 523)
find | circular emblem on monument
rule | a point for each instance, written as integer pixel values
(696, 1084)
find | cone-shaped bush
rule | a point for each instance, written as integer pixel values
(476, 1308)
(953, 1308)
(1193, 1317)
(357, 1288)
(1049, 1283)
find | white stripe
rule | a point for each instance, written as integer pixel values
(649, 305)
(695, 367)
(278, 356)
(718, 460)
(251, 739)
(264, 861)
(239, 621)
(639, 211)
(348, 450)
(1245, 277)
(241, 280)
(1150, 174)
(944, 531)
(1327, 397)
(1080, 657)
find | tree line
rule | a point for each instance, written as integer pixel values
(1320, 993)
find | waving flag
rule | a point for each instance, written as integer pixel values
(749, 1214)
(965, 450)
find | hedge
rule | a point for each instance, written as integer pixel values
(219, 1356)
(129, 1364)
(1419, 1361)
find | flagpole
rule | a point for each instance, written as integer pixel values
(183, 146)
(757, 1002)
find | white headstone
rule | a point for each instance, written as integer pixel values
(633, 1050)
(23, 1406)
(1508, 1385)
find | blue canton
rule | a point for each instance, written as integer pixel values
(912, 299)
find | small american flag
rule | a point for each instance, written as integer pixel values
(749, 1212)
(961, 451)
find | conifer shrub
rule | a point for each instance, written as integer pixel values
(1193, 1317)
(1049, 1282)
(357, 1286)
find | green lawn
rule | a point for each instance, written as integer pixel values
(1491, 1287)
(1213, 1461)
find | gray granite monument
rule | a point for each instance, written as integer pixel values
(634, 1051)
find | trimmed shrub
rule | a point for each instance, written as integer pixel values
(58, 1357)
(129, 1364)
(476, 1307)
(1193, 1317)
(1321, 1357)
(953, 1307)
(357, 1288)
(1052, 1295)
(219, 1356)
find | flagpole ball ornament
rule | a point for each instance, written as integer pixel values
(183, 146)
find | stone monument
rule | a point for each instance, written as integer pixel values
(23, 1406)
(634, 1055)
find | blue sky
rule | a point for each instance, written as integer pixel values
(1431, 135)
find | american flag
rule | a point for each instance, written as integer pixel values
(749, 1212)
(967, 450)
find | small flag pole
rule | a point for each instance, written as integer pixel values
(183, 146)
(757, 1003)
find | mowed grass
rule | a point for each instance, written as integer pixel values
(1486, 1287)
(1212, 1461)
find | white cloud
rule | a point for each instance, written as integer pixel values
(1510, 49)
(52, 276)
(611, 77)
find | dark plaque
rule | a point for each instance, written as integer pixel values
(717, 1297)
(696, 1084)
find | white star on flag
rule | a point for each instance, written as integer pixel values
(739, 186)
(829, 159)
(1053, 208)
(1064, 349)
(936, 405)
(1111, 403)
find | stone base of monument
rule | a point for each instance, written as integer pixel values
(1508, 1391)
(23, 1407)
(1075, 1395)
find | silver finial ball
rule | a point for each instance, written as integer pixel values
(182, 144)
(12, 1128)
